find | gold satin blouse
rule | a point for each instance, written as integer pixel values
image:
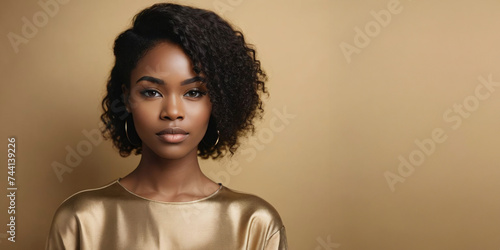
(111, 217)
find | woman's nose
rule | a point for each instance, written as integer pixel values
(172, 108)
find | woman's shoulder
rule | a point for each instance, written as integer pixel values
(251, 204)
(90, 197)
(262, 216)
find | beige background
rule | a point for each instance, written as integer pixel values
(350, 118)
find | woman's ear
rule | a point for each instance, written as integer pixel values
(125, 97)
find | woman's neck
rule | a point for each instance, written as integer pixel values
(169, 179)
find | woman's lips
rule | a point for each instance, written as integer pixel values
(173, 138)
(173, 135)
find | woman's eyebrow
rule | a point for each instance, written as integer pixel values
(161, 82)
(151, 79)
(194, 79)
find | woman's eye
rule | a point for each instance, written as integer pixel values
(195, 93)
(150, 93)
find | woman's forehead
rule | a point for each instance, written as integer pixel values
(165, 60)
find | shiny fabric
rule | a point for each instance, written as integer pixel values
(111, 217)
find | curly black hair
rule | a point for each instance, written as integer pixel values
(234, 77)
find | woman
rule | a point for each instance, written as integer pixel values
(184, 84)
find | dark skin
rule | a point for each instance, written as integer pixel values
(166, 93)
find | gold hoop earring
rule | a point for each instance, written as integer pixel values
(216, 142)
(126, 133)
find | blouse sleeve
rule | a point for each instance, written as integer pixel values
(277, 241)
(64, 231)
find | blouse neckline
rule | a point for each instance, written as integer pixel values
(171, 202)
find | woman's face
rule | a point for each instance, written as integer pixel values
(169, 102)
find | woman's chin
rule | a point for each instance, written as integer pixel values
(172, 153)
